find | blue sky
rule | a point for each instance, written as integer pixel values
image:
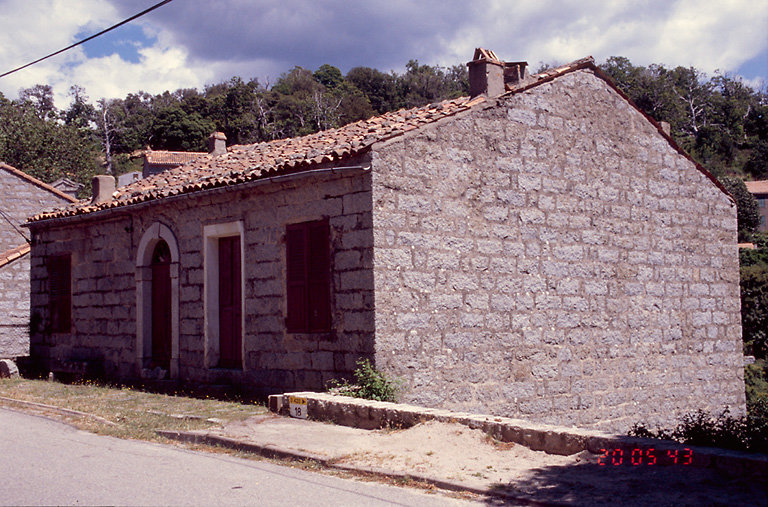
(191, 43)
(125, 41)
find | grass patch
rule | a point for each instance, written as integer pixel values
(135, 414)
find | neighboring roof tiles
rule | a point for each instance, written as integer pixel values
(757, 187)
(172, 157)
(13, 254)
(36, 182)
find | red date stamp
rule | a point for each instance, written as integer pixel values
(645, 457)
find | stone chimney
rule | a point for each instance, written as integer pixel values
(516, 73)
(217, 143)
(103, 188)
(666, 128)
(486, 74)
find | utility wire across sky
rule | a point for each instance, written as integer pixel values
(160, 4)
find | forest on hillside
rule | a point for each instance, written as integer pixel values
(719, 120)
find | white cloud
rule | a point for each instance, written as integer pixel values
(158, 69)
(195, 42)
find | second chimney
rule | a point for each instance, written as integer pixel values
(217, 143)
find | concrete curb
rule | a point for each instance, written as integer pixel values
(271, 451)
(368, 414)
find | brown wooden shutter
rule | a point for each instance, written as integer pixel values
(296, 255)
(230, 303)
(60, 293)
(318, 267)
(308, 277)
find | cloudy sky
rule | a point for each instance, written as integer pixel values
(191, 43)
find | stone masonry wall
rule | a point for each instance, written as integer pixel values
(103, 295)
(20, 199)
(553, 258)
(14, 308)
(104, 281)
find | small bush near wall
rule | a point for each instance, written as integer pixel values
(369, 384)
(747, 433)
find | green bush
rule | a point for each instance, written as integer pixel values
(754, 309)
(746, 433)
(369, 384)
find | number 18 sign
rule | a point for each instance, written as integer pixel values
(298, 407)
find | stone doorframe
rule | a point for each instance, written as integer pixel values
(151, 237)
(211, 235)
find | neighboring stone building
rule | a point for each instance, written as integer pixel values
(541, 250)
(760, 190)
(21, 195)
(69, 187)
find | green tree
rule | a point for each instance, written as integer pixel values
(45, 148)
(328, 76)
(746, 205)
(176, 130)
(424, 84)
(40, 98)
(757, 164)
(754, 308)
(80, 113)
(379, 88)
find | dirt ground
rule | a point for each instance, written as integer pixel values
(455, 453)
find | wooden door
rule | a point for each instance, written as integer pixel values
(230, 303)
(161, 306)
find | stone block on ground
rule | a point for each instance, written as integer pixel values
(8, 369)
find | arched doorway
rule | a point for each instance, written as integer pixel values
(161, 307)
(157, 303)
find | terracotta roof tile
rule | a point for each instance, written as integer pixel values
(13, 254)
(757, 187)
(172, 157)
(244, 163)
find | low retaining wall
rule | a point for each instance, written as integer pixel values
(369, 414)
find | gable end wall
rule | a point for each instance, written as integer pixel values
(554, 258)
(19, 199)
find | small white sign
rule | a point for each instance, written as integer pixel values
(298, 407)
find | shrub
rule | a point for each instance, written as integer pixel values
(370, 384)
(746, 433)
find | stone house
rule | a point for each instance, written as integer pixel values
(541, 249)
(760, 190)
(21, 195)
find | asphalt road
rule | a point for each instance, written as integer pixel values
(43, 462)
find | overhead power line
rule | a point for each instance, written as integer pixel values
(160, 4)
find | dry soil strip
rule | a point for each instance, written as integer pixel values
(270, 451)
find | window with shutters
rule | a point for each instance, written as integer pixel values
(308, 277)
(60, 293)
